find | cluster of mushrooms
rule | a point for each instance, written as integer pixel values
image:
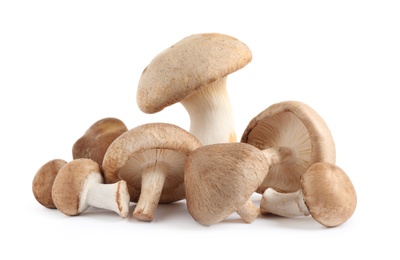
(286, 153)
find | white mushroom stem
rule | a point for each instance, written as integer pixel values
(283, 204)
(278, 155)
(114, 197)
(210, 111)
(248, 212)
(153, 178)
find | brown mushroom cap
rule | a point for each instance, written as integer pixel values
(69, 183)
(187, 66)
(147, 145)
(43, 182)
(220, 178)
(95, 141)
(328, 194)
(297, 126)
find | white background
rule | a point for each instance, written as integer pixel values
(66, 64)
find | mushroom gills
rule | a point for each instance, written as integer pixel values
(142, 161)
(286, 132)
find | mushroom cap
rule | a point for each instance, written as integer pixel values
(145, 145)
(328, 194)
(42, 183)
(187, 66)
(70, 182)
(295, 125)
(95, 141)
(220, 178)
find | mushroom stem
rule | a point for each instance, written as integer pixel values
(279, 155)
(210, 112)
(153, 179)
(283, 204)
(114, 197)
(248, 211)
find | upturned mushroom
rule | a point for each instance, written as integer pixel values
(95, 141)
(80, 184)
(150, 158)
(194, 72)
(220, 179)
(293, 136)
(327, 194)
(43, 180)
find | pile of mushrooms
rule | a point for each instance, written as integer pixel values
(286, 153)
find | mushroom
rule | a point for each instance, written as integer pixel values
(42, 183)
(194, 72)
(80, 184)
(220, 179)
(326, 193)
(150, 158)
(95, 141)
(293, 136)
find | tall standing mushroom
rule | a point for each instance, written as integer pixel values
(327, 194)
(194, 71)
(220, 179)
(95, 141)
(80, 184)
(293, 136)
(150, 158)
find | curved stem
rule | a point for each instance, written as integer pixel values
(283, 204)
(114, 197)
(210, 111)
(248, 212)
(153, 179)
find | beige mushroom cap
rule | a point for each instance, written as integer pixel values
(187, 66)
(70, 182)
(295, 125)
(43, 182)
(95, 141)
(328, 194)
(220, 178)
(146, 145)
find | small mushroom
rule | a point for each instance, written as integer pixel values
(150, 158)
(194, 72)
(326, 193)
(42, 183)
(95, 141)
(80, 184)
(293, 136)
(220, 179)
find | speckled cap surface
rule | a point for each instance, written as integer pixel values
(188, 65)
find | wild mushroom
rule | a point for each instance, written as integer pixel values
(194, 72)
(80, 184)
(326, 193)
(220, 179)
(42, 183)
(293, 136)
(95, 141)
(150, 158)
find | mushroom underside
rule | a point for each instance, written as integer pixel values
(283, 130)
(171, 161)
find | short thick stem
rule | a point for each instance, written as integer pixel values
(280, 155)
(248, 212)
(283, 204)
(153, 179)
(114, 197)
(210, 111)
